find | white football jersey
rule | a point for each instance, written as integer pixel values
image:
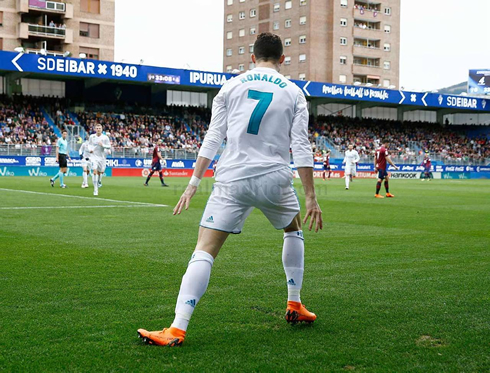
(351, 157)
(98, 150)
(262, 115)
(84, 150)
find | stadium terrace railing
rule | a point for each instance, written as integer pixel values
(145, 153)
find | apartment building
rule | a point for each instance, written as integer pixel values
(81, 27)
(337, 41)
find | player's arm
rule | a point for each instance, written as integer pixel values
(57, 152)
(303, 161)
(357, 158)
(212, 141)
(106, 143)
(375, 162)
(388, 159)
(159, 153)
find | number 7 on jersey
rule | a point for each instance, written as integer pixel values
(265, 99)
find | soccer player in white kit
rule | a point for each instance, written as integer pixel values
(350, 160)
(98, 143)
(84, 153)
(262, 115)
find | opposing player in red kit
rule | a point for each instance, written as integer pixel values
(427, 163)
(381, 160)
(156, 165)
(326, 165)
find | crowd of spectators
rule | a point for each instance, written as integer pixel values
(22, 124)
(408, 139)
(177, 127)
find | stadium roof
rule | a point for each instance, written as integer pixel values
(22, 65)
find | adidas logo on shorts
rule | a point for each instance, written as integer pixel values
(210, 219)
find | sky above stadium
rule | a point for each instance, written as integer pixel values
(440, 39)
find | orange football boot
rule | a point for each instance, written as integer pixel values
(389, 195)
(170, 337)
(378, 196)
(297, 312)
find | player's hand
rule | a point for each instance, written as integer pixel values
(397, 168)
(57, 160)
(314, 212)
(185, 199)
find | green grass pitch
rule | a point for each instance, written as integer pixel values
(399, 285)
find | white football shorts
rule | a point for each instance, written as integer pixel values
(98, 164)
(350, 169)
(230, 203)
(86, 164)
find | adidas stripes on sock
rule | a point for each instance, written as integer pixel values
(293, 260)
(95, 181)
(347, 181)
(194, 285)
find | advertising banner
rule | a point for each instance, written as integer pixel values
(42, 171)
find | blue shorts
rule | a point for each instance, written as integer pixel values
(427, 170)
(382, 174)
(156, 166)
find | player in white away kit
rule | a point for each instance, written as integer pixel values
(85, 157)
(350, 160)
(98, 143)
(262, 115)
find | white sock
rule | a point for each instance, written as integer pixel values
(96, 183)
(100, 178)
(193, 287)
(347, 181)
(293, 259)
(85, 181)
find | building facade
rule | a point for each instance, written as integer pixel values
(336, 41)
(55, 27)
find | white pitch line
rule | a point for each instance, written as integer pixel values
(73, 207)
(81, 197)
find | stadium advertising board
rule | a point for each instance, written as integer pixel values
(85, 68)
(479, 82)
(42, 171)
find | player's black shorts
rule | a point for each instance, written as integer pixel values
(382, 174)
(156, 166)
(62, 160)
(326, 168)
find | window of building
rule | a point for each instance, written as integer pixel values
(229, 52)
(241, 32)
(287, 61)
(230, 2)
(388, 11)
(253, 30)
(342, 78)
(343, 41)
(229, 18)
(253, 13)
(241, 50)
(287, 76)
(288, 5)
(242, 1)
(90, 6)
(1, 18)
(287, 42)
(241, 67)
(386, 83)
(277, 7)
(343, 3)
(251, 66)
(387, 65)
(229, 68)
(302, 2)
(90, 30)
(343, 60)
(302, 39)
(387, 47)
(92, 53)
(251, 48)
(241, 15)
(229, 35)
(302, 20)
(275, 26)
(387, 29)
(302, 76)
(287, 23)
(302, 57)
(343, 22)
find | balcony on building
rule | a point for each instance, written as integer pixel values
(367, 79)
(366, 47)
(363, 65)
(43, 47)
(65, 10)
(44, 27)
(366, 8)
